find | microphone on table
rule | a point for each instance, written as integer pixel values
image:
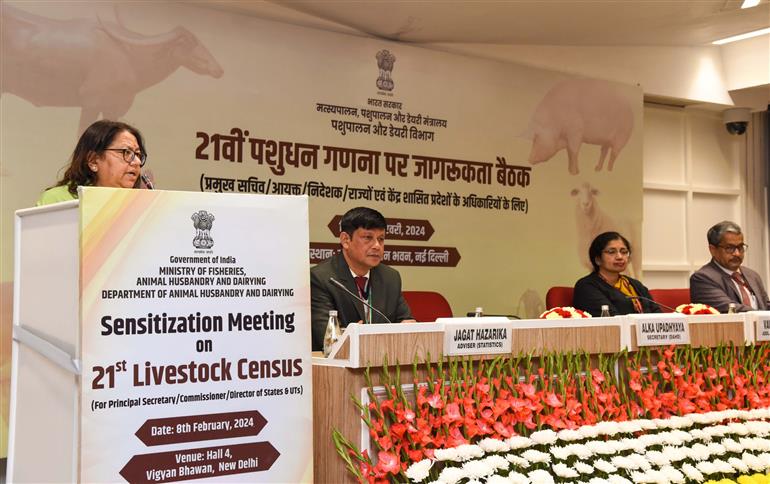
(669, 308)
(147, 182)
(359, 298)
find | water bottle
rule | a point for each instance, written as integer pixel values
(731, 308)
(333, 332)
(478, 313)
(605, 311)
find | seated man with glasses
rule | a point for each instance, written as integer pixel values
(723, 281)
(108, 154)
(610, 254)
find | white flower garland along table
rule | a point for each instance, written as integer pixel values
(688, 449)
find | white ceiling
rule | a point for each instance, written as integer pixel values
(521, 22)
(693, 23)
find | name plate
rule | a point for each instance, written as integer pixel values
(763, 328)
(661, 329)
(477, 338)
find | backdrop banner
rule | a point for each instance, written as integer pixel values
(493, 177)
(195, 337)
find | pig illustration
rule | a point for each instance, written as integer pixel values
(580, 111)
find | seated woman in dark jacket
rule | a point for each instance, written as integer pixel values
(609, 254)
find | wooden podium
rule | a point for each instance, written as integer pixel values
(43, 437)
(341, 375)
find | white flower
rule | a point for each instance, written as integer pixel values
(605, 466)
(738, 465)
(561, 453)
(716, 430)
(682, 422)
(716, 449)
(672, 474)
(616, 479)
(732, 446)
(467, 452)
(642, 477)
(588, 432)
(544, 437)
(758, 427)
(765, 458)
(738, 428)
(562, 470)
(699, 452)
(536, 456)
(540, 476)
(640, 461)
(515, 478)
(754, 463)
(473, 481)
(450, 475)
(608, 428)
(496, 462)
(630, 426)
(675, 454)
(494, 445)
(419, 470)
(624, 462)
(699, 434)
(579, 450)
(692, 473)
(569, 435)
(446, 454)
(631, 444)
(495, 479)
(583, 468)
(517, 461)
(682, 435)
(657, 458)
(723, 467)
(475, 469)
(598, 480)
(601, 448)
(706, 467)
(519, 442)
(646, 424)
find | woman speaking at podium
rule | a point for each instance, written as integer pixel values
(609, 254)
(108, 154)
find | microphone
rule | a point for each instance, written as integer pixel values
(358, 298)
(652, 301)
(147, 182)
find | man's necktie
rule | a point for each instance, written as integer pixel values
(361, 283)
(745, 297)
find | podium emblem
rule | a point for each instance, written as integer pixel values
(202, 221)
(385, 61)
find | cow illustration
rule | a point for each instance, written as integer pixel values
(96, 65)
(578, 111)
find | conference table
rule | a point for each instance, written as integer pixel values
(363, 348)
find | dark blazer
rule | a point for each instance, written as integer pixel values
(711, 285)
(384, 282)
(591, 292)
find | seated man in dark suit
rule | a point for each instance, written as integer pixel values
(723, 281)
(358, 268)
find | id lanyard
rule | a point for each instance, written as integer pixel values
(367, 309)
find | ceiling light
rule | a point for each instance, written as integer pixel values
(750, 3)
(747, 35)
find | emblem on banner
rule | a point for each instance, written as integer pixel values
(385, 61)
(202, 221)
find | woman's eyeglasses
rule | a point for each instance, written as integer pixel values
(130, 155)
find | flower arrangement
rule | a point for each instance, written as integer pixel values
(695, 308)
(677, 449)
(484, 411)
(564, 312)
